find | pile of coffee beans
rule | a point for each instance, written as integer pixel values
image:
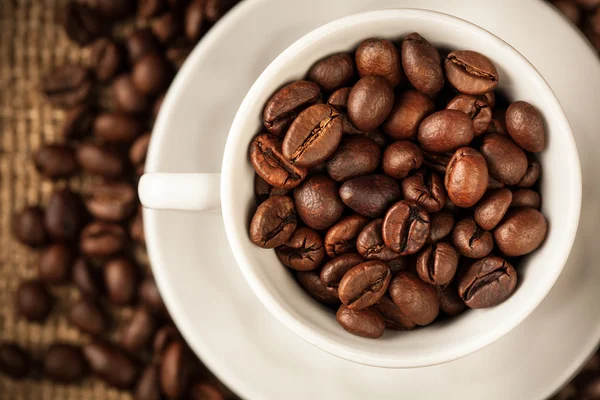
(395, 182)
(88, 239)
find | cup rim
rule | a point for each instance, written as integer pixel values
(285, 315)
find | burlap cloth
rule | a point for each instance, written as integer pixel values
(31, 45)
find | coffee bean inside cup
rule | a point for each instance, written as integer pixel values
(431, 215)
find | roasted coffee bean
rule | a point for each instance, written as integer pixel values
(138, 332)
(494, 184)
(150, 8)
(400, 158)
(215, 9)
(167, 27)
(370, 243)
(450, 302)
(341, 237)
(111, 364)
(477, 109)
(166, 335)
(116, 9)
(88, 317)
(78, 122)
(466, 178)
(363, 285)
(139, 43)
(422, 65)
(521, 232)
(136, 227)
(148, 387)
(64, 363)
(491, 209)
(370, 195)
(470, 72)
(524, 124)
(271, 165)
(394, 318)
(378, 137)
(370, 102)
(471, 241)
(105, 59)
(317, 202)
(533, 173)
(283, 107)
(56, 161)
(356, 156)
(333, 72)
(63, 218)
(379, 57)
(437, 264)
(312, 284)
(339, 100)
(313, 136)
(150, 296)
(175, 370)
(117, 127)
(445, 131)
(262, 190)
(489, 98)
(405, 228)
(177, 54)
(112, 201)
(526, 198)
(441, 224)
(410, 109)
(487, 283)
(28, 227)
(333, 272)
(588, 4)
(68, 86)
(81, 23)
(505, 160)
(14, 361)
(86, 279)
(100, 160)
(54, 265)
(33, 301)
(498, 122)
(194, 20)
(139, 149)
(274, 222)
(127, 98)
(304, 251)
(121, 280)
(366, 323)
(101, 240)
(415, 298)
(151, 74)
(205, 391)
(426, 189)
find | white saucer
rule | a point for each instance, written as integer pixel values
(236, 336)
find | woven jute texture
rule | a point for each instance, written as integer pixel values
(32, 44)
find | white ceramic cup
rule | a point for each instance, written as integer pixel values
(233, 192)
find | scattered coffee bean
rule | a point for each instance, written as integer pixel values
(356, 156)
(526, 198)
(88, 317)
(317, 202)
(488, 282)
(415, 298)
(33, 301)
(304, 251)
(63, 218)
(121, 280)
(370, 243)
(28, 227)
(100, 160)
(379, 57)
(333, 72)
(136, 228)
(68, 86)
(127, 98)
(138, 332)
(285, 105)
(177, 54)
(341, 237)
(111, 364)
(205, 391)
(311, 282)
(81, 23)
(506, 161)
(405, 228)
(150, 8)
(370, 102)
(477, 109)
(445, 131)
(105, 59)
(151, 74)
(440, 226)
(271, 165)
(400, 158)
(274, 222)
(524, 124)
(215, 9)
(150, 296)
(471, 241)
(102, 240)
(466, 178)
(422, 65)
(491, 209)
(116, 127)
(426, 189)
(139, 43)
(14, 361)
(366, 323)
(175, 370)
(64, 363)
(450, 302)
(521, 220)
(333, 272)
(194, 21)
(363, 285)
(437, 264)
(167, 27)
(78, 122)
(86, 279)
(56, 161)
(54, 265)
(370, 195)
(148, 386)
(470, 72)
(394, 317)
(164, 336)
(112, 201)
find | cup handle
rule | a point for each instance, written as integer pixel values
(167, 191)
